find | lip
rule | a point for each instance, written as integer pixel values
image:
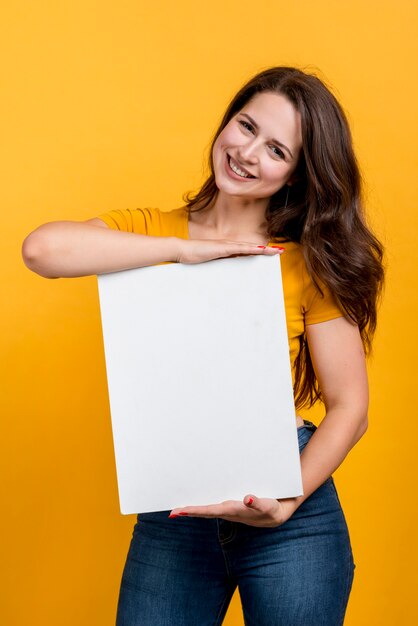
(232, 174)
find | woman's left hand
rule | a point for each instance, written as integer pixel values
(264, 512)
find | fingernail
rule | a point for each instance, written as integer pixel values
(173, 515)
(250, 500)
(183, 513)
(261, 247)
(279, 247)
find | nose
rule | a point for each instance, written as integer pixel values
(247, 153)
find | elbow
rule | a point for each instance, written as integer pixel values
(35, 254)
(363, 426)
(362, 423)
(30, 250)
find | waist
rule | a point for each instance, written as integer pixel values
(299, 421)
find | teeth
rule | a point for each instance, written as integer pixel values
(237, 170)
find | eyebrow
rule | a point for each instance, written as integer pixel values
(279, 143)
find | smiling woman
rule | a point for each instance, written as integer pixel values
(246, 150)
(283, 180)
(315, 197)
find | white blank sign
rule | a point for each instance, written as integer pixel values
(199, 382)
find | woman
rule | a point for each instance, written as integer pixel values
(283, 180)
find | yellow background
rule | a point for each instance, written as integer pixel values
(108, 105)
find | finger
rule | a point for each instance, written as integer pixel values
(267, 509)
(260, 506)
(229, 507)
(257, 249)
(270, 250)
(212, 510)
(251, 501)
(264, 249)
(253, 244)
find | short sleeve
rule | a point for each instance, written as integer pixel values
(149, 221)
(128, 220)
(320, 307)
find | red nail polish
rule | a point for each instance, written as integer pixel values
(279, 247)
(251, 500)
(173, 515)
(183, 513)
(261, 247)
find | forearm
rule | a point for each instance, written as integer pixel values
(71, 249)
(337, 434)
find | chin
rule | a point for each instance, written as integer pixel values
(231, 189)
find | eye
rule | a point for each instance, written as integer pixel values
(276, 150)
(246, 125)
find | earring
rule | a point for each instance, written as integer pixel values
(287, 196)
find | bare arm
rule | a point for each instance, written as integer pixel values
(71, 249)
(340, 366)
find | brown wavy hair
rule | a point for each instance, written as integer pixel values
(323, 212)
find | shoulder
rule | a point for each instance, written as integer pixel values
(148, 221)
(175, 220)
(316, 300)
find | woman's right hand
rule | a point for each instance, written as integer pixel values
(72, 249)
(200, 250)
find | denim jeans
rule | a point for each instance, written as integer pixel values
(184, 571)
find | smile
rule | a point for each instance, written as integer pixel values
(233, 165)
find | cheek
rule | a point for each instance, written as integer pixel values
(222, 143)
(229, 136)
(275, 173)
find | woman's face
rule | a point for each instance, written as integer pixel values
(258, 150)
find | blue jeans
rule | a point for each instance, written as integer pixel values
(184, 571)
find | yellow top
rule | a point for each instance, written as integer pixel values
(303, 302)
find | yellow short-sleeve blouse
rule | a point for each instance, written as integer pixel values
(303, 302)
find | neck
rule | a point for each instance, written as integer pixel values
(232, 215)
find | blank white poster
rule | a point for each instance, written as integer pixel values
(199, 383)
